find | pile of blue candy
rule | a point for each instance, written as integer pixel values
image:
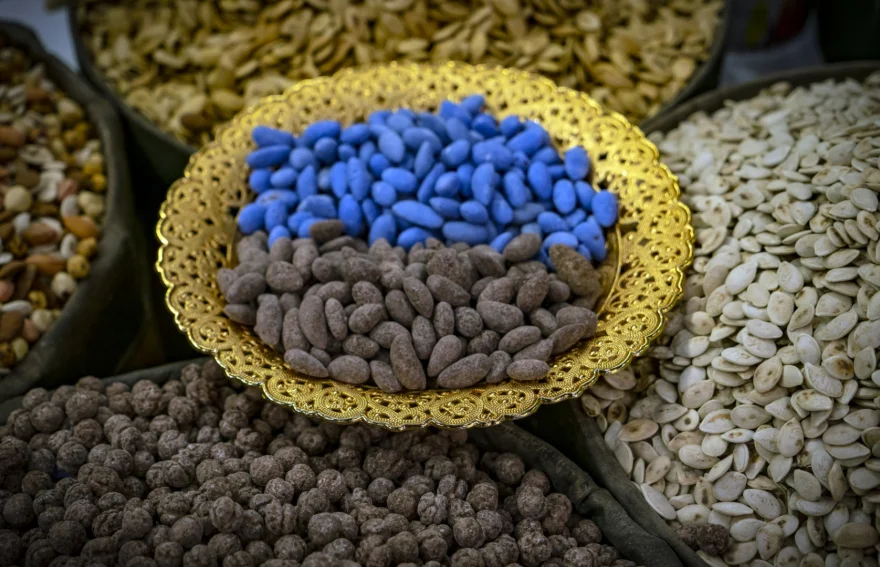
(458, 175)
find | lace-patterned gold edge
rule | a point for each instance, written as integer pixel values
(389, 421)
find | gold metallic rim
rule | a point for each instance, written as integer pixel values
(643, 278)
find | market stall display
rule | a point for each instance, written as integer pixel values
(66, 225)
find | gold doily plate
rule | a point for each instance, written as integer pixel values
(654, 241)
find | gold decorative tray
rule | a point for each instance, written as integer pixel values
(644, 274)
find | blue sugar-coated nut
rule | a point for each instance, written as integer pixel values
(377, 130)
(532, 228)
(282, 178)
(296, 219)
(527, 213)
(465, 173)
(447, 184)
(561, 237)
(426, 189)
(320, 129)
(502, 213)
(280, 231)
(491, 232)
(540, 181)
(473, 103)
(449, 110)
(260, 180)
(551, 222)
(515, 189)
(414, 137)
(289, 198)
(346, 152)
(485, 125)
(445, 207)
(474, 212)
(473, 234)
(589, 233)
(455, 153)
(417, 213)
(510, 126)
(350, 215)
(324, 180)
(307, 183)
(408, 112)
(585, 194)
(402, 180)
(483, 183)
(392, 146)
(366, 151)
(267, 136)
(556, 171)
(499, 242)
(577, 163)
(548, 155)
(399, 122)
(605, 208)
(268, 156)
(585, 252)
(412, 235)
(528, 141)
(305, 225)
(435, 124)
(358, 178)
(521, 160)
(597, 249)
(301, 158)
(424, 160)
(339, 179)
(378, 117)
(319, 205)
(355, 134)
(402, 224)
(378, 164)
(457, 129)
(564, 198)
(325, 150)
(383, 193)
(577, 217)
(252, 217)
(493, 152)
(370, 210)
(407, 162)
(383, 227)
(299, 143)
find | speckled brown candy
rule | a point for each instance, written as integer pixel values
(498, 363)
(486, 342)
(399, 307)
(385, 332)
(444, 319)
(312, 321)
(532, 292)
(445, 262)
(466, 372)
(383, 376)
(225, 277)
(444, 289)
(292, 336)
(407, 367)
(269, 319)
(246, 288)
(337, 322)
(419, 296)
(541, 350)
(366, 317)
(528, 369)
(304, 256)
(326, 230)
(519, 338)
(523, 247)
(359, 269)
(575, 270)
(359, 345)
(349, 369)
(302, 361)
(423, 336)
(544, 320)
(366, 292)
(501, 290)
(468, 322)
(284, 277)
(281, 250)
(566, 336)
(487, 261)
(243, 313)
(340, 291)
(558, 291)
(500, 317)
(447, 350)
(326, 270)
(392, 275)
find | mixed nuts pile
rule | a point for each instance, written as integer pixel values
(190, 65)
(758, 411)
(437, 316)
(52, 183)
(197, 473)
